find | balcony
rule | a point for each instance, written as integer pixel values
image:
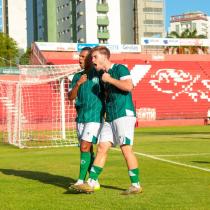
(103, 34)
(103, 21)
(102, 8)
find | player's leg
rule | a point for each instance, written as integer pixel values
(89, 134)
(124, 129)
(105, 142)
(92, 158)
(133, 170)
(100, 160)
(80, 130)
(85, 160)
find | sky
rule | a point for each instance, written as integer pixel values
(177, 7)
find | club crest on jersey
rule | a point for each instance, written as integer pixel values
(82, 162)
(95, 80)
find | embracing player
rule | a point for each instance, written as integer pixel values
(85, 89)
(120, 120)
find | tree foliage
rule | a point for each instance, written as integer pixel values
(187, 34)
(8, 50)
(25, 58)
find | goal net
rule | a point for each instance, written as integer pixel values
(34, 107)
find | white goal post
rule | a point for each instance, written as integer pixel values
(35, 110)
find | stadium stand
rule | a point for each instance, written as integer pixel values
(174, 90)
(207, 118)
(166, 87)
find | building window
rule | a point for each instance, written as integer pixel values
(79, 1)
(102, 28)
(102, 1)
(152, 34)
(152, 9)
(177, 29)
(103, 41)
(154, 0)
(193, 26)
(81, 40)
(80, 14)
(80, 27)
(159, 22)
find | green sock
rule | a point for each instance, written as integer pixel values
(92, 158)
(134, 175)
(84, 164)
(95, 172)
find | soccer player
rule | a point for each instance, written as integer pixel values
(85, 89)
(120, 120)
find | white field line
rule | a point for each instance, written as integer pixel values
(183, 155)
(168, 161)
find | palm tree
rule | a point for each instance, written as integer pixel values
(187, 34)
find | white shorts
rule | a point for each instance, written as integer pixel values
(119, 131)
(88, 131)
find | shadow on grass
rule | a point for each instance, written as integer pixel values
(71, 191)
(47, 178)
(201, 162)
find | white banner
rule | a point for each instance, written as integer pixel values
(118, 48)
(112, 47)
(175, 42)
(74, 47)
(56, 46)
(146, 114)
(135, 48)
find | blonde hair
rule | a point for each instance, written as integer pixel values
(102, 50)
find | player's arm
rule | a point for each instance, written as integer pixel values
(124, 84)
(123, 80)
(72, 94)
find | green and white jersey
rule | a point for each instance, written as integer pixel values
(89, 102)
(118, 102)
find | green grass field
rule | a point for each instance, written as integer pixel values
(175, 174)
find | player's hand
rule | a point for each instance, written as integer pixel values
(82, 79)
(106, 77)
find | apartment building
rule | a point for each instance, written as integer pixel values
(104, 21)
(191, 20)
(149, 18)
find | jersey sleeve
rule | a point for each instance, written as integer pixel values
(124, 73)
(74, 81)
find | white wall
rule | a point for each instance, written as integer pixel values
(17, 22)
(208, 27)
(127, 21)
(120, 21)
(199, 26)
(91, 21)
(201, 29)
(114, 22)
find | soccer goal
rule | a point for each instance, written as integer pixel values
(35, 110)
